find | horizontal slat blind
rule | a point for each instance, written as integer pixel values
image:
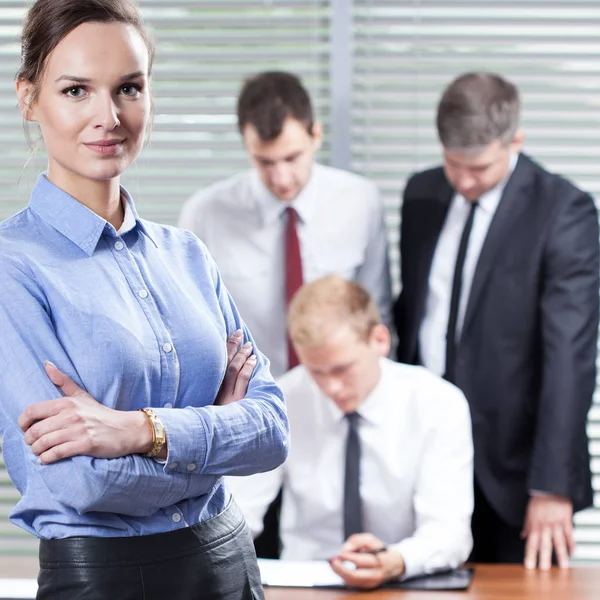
(405, 52)
(204, 51)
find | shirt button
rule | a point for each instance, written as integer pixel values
(191, 466)
(119, 245)
(167, 347)
(176, 517)
(143, 294)
(171, 465)
(168, 405)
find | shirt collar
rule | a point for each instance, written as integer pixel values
(72, 219)
(373, 409)
(129, 218)
(272, 208)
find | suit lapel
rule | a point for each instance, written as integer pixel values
(434, 215)
(512, 204)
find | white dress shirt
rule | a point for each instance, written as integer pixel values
(416, 480)
(129, 221)
(341, 230)
(432, 333)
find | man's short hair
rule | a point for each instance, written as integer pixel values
(319, 309)
(476, 109)
(268, 99)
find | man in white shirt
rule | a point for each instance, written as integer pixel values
(288, 220)
(499, 262)
(380, 467)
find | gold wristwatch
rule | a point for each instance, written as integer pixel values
(159, 437)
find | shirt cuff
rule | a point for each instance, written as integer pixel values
(422, 556)
(412, 565)
(186, 439)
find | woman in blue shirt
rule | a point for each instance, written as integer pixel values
(113, 347)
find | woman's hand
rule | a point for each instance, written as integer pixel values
(240, 365)
(77, 424)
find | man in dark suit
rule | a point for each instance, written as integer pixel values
(500, 285)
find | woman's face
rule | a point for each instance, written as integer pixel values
(93, 103)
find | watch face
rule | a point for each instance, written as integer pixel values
(160, 429)
(159, 437)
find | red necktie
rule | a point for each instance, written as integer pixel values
(293, 271)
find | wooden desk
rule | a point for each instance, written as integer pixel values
(493, 582)
(490, 582)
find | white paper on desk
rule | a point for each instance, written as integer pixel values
(298, 573)
(18, 588)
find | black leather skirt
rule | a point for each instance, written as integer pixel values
(213, 560)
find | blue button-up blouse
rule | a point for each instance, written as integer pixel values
(138, 319)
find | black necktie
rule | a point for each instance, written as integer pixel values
(353, 522)
(455, 298)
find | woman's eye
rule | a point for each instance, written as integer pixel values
(74, 92)
(130, 90)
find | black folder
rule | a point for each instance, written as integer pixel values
(456, 579)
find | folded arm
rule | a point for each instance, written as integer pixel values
(240, 438)
(131, 485)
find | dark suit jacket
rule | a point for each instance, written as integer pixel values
(527, 353)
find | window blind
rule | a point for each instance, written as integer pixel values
(204, 51)
(406, 52)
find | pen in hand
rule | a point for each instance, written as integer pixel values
(373, 550)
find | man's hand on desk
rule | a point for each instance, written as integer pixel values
(548, 526)
(375, 564)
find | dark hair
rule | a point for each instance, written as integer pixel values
(268, 99)
(48, 21)
(476, 109)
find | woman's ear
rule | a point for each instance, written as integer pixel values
(25, 96)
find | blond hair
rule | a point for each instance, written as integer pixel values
(322, 307)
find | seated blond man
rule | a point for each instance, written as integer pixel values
(380, 471)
